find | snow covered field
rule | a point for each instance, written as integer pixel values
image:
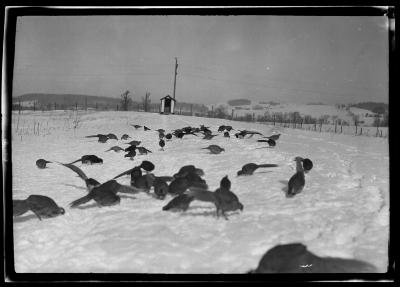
(342, 212)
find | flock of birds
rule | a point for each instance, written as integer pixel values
(186, 186)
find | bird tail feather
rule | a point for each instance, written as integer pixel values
(267, 165)
(80, 201)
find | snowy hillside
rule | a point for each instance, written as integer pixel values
(315, 111)
(343, 210)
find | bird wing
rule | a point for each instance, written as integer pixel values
(75, 169)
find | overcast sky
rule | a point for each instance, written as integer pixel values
(298, 59)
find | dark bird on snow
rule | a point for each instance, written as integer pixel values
(160, 188)
(209, 136)
(270, 142)
(112, 136)
(131, 154)
(274, 137)
(223, 198)
(89, 159)
(161, 143)
(134, 142)
(295, 258)
(125, 137)
(168, 136)
(106, 194)
(226, 134)
(244, 133)
(161, 136)
(186, 169)
(115, 148)
(307, 165)
(161, 130)
(42, 206)
(146, 128)
(188, 176)
(221, 128)
(145, 165)
(138, 180)
(179, 203)
(102, 138)
(249, 168)
(90, 182)
(228, 128)
(130, 148)
(41, 163)
(297, 181)
(143, 150)
(214, 149)
(136, 126)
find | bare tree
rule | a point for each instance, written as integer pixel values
(125, 100)
(146, 101)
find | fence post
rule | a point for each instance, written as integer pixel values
(355, 122)
(335, 126)
(232, 114)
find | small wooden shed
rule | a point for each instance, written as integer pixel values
(167, 105)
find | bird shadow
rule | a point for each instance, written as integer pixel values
(20, 219)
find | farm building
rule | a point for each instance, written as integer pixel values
(167, 105)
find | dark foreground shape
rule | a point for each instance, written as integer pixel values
(42, 206)
(41, 163)
(295, 258)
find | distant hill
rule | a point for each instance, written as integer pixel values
(379, 108)
(239, 102)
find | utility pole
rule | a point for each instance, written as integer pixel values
(176, 68)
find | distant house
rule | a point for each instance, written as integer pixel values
(167, 105)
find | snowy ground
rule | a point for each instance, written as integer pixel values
(343, 210)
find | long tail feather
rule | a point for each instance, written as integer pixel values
(267, 165)
(80, 201)
(75, 161)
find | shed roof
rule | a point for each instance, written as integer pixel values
(168, 97)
